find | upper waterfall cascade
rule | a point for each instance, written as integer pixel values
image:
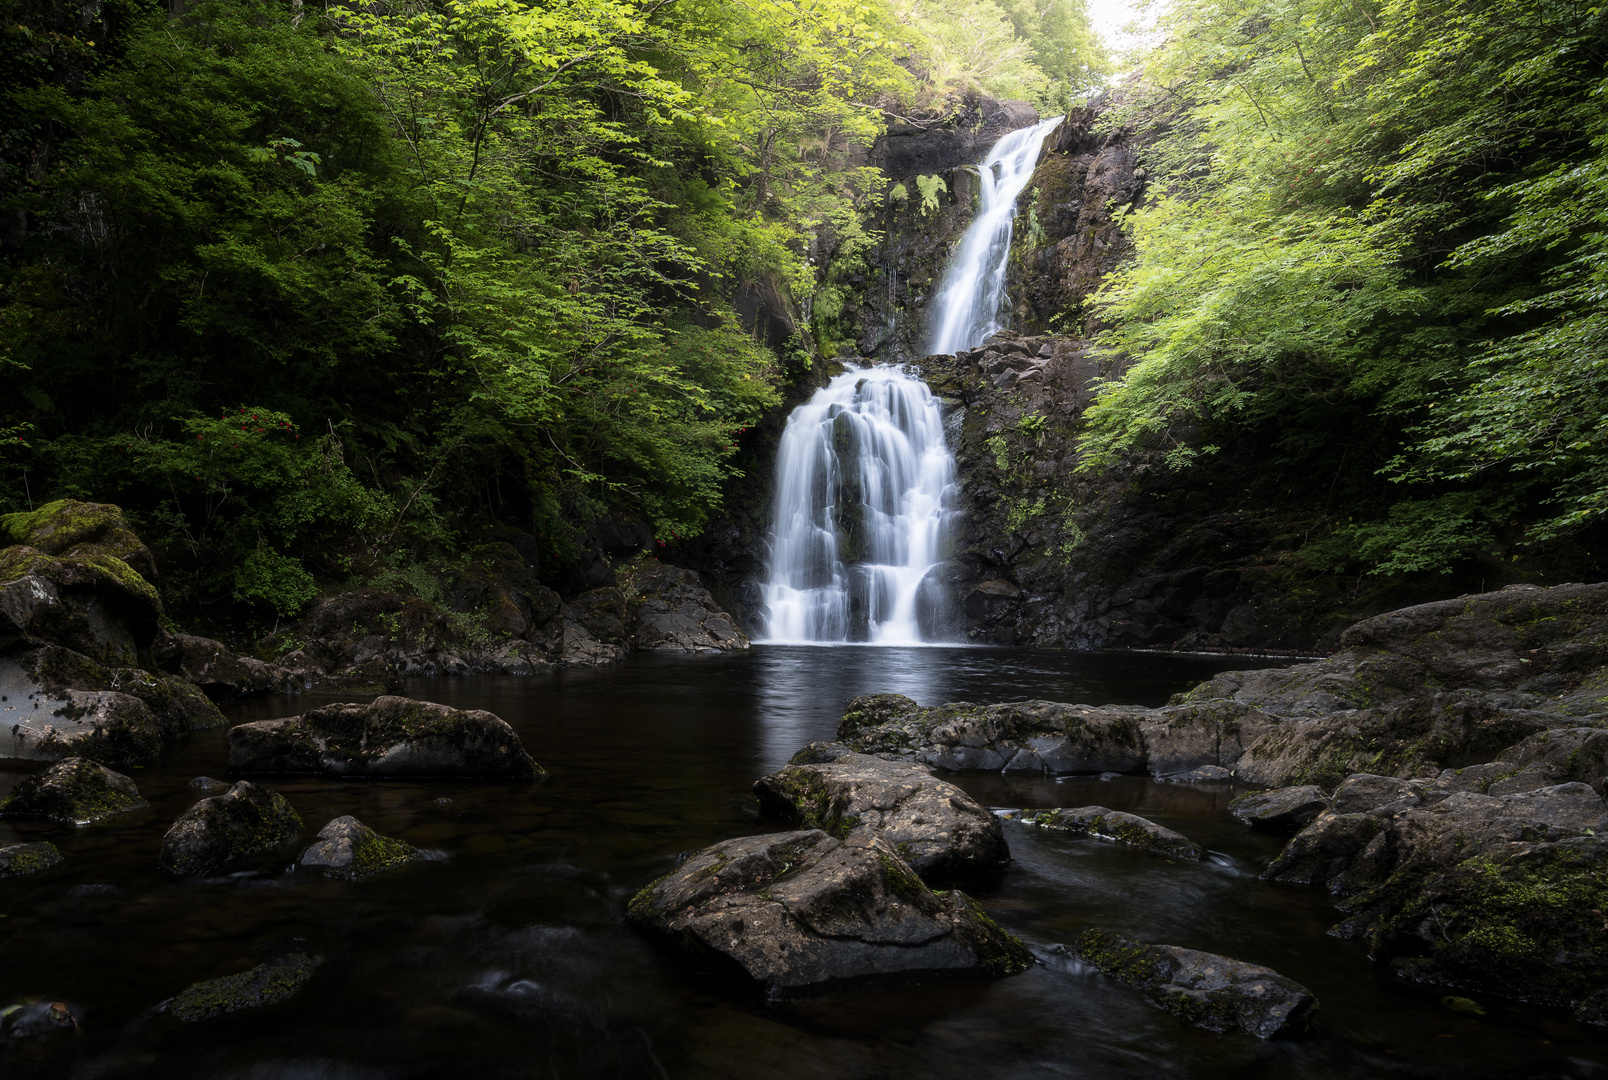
(863, 475)
(966, 309)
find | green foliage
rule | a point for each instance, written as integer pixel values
(1044, 53)
(930, 188)
(1380, 216)
(283, 584)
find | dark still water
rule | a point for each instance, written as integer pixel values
(510, 957)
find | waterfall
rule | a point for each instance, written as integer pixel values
(861, 478)
(863, 474)
(966, 309)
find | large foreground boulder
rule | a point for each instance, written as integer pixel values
(347, 848)
(1118, 827)
(1204, 989)
(74, 792)
(392, 736)
(245, 820)
(1497, 893)
(802, 911)
(938, 829)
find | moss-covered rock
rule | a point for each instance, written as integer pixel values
(73, 529)
(265, 984)
(245, 820)
(1210, 991)
(20, 859)
(802, 911)
(392, 736)
(346, 848)
(74, 791)
(1118, 827)
(937, 828)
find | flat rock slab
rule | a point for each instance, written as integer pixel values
(245, 820)
(1122, 828)
(347, 848)
(74, 792)
(1210, 991)
(392, 736)
(265, 984)
(934, 826)
(797, 912)
(20, 859)
(1283, 810)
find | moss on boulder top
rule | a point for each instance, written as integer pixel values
(265, 984)
(70, 529)
(74, 792)
(347, 848)
(20, 859)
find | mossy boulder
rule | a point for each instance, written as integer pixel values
(937, 828)
(1209, 991)
(74, 791)
(68, 528)
(391, 736)
(347, 848)
(1118, 827)
(801, 912)
(246, 820)
(20, 859)
(266, 984)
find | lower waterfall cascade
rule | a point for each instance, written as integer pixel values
(862, 478)
(863, 474)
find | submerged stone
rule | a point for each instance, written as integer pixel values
(245, 820)
(347, 848)
(802, 911)
(265, 984)
(938, 829)
(1210, 991)
(392, 736)
(1123, 828)
(20, 859)
(74, 792)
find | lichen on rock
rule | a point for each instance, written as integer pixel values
(346, 848)
(266, 984)
(74, 791)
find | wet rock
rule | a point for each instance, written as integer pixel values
(219, 672)
(1363, 792)
(1210, 991)
(499, 584)
(392, 736)
(1323, 850)
(76, 575)
(246, 820)
(938, 829)
(669, 610)
(1282, 810)
(1049, 737)
(1567, 753)
(581, 649)
(74, 792)
(802, 911)
(346, 848)
(1118, 827)
(206, 785)
(266, 984)
(20, 859)
(29, 1019)
(56, 703)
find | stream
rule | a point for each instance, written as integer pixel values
(509, 955)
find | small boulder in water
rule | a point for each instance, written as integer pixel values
(74, 792)
(938, 829)
(1283, 810)
(802, 911)
(20, 859)
(392, 736)
(266, 984)
(347, 848)
(245, 820)
(1204, 989)
(1115, 825)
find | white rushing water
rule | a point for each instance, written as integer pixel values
(863, 473)
(966, 309)
(861, 479)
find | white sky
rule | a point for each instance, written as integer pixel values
(1110, 16)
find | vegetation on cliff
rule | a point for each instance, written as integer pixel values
(1374, 253)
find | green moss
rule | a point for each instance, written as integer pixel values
(23, 859)
(378, 853)
(902, 881)
(265, 984)
(1001, 953)
(812, 804)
